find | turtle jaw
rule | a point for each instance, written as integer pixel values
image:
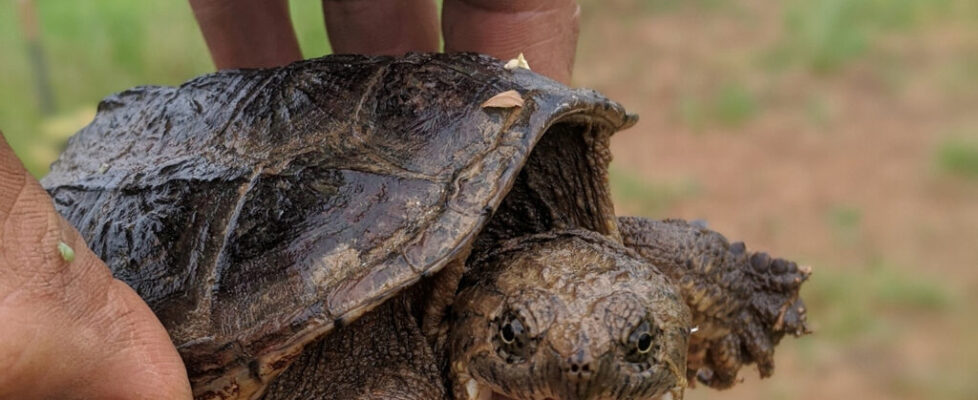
(472, 389)
(477, 391)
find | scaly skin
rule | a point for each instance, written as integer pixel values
(561, 315)
(381, 356)
(743, 302)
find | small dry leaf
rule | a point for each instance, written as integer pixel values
(507, 99)
(518, 62)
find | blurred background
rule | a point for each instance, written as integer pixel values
(839, 133)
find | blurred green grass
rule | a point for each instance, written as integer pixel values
(959, 157)
(824, 35)
(729, 106)
(661, 6)
(822, 38)
(858, 301)
(644, 197)
(845, 222)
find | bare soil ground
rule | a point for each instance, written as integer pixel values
(839, 169)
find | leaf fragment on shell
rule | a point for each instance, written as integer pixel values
(507, 99)
(518, 62)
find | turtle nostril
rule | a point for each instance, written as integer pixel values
(580, 368)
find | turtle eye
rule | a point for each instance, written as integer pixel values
(508, 332)
(644, 343)
(513, 341)
(640, 343)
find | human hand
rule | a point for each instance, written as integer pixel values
(70, 330)
(258, 33)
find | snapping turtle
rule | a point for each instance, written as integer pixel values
(359, 228)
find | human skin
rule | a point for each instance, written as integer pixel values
(256, 33)
(70, 330)
(247, 33)
(381, 27)
(545, 31)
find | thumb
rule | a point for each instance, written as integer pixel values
(139, 353)
(70, 330)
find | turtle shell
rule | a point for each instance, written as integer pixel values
(256, 210)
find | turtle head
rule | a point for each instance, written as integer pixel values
(569, 315)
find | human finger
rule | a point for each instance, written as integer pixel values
(545, 31)
(381, 27)
(247, 33)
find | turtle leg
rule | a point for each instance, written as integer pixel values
(382, 355)
(742, 302)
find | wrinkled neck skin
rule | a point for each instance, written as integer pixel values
(564, 185)
(566, 315)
